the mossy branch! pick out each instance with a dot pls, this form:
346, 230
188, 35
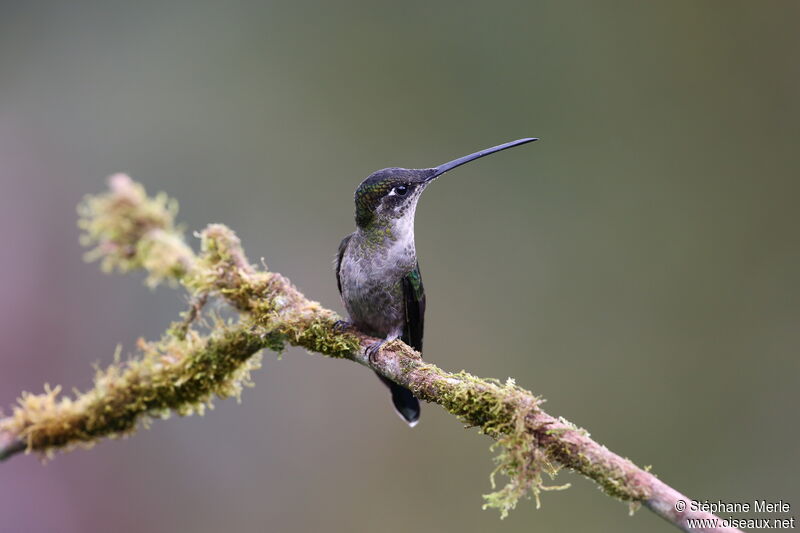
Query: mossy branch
186, 368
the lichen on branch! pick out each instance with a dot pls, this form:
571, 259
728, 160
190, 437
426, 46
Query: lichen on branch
190, 365
128, 230
182, 372
170, 375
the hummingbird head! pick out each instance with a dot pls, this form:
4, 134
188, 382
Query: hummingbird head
390, 195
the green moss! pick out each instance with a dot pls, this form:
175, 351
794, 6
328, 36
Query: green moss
318, 335
499, 410
171, 375
523, 463
610, 476
221, 247
128, 230
165, 256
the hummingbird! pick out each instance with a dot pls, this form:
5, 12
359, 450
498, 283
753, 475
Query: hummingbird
377, 271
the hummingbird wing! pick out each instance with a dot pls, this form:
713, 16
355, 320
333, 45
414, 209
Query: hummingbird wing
414, 294
338, 262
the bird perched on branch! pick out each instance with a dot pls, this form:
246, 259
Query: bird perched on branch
376, 267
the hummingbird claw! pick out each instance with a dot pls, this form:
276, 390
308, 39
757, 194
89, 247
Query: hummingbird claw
340, 326
373, 350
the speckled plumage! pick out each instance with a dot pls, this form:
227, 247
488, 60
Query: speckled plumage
373, 265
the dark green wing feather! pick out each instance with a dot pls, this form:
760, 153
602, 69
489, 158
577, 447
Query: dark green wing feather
338, 262
414, 294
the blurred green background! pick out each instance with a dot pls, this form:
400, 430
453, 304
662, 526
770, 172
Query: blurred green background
638, 267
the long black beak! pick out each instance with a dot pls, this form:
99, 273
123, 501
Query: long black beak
441, 169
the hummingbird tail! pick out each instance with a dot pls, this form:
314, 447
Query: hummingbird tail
406, 405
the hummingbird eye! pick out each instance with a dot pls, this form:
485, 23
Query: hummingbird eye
401, 190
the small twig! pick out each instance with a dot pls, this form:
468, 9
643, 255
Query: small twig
9, 445
195, 307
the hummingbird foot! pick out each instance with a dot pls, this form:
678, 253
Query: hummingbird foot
340, 326
373, 349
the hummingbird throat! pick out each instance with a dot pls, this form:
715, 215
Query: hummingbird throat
392, 235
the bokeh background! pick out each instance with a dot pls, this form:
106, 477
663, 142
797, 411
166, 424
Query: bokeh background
638, 267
